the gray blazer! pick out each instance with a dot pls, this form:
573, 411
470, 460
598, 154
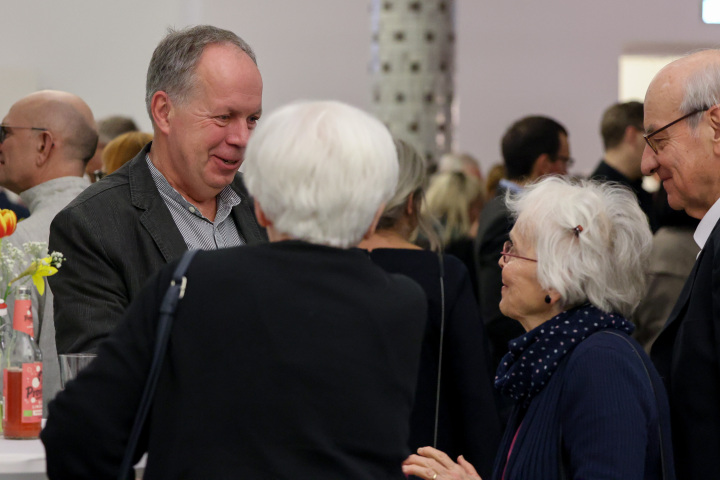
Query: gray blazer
115, 235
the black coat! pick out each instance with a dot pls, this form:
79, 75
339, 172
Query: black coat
687, 356
468, 419
286, 361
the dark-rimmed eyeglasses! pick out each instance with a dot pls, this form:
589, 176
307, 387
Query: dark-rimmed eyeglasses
4, 130
653, 144
507, 251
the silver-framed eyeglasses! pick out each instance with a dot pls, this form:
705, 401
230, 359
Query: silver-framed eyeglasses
5, 129
507, 251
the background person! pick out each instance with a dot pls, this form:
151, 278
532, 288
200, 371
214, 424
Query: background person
108, 129
313, 376
468, 422
589, 403
456, 199
45, 167
622, 134
122, 149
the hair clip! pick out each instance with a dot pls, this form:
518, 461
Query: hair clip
577, 230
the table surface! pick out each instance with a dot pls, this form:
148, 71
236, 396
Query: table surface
25, 459
22, 456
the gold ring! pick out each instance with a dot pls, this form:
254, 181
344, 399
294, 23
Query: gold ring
434, 476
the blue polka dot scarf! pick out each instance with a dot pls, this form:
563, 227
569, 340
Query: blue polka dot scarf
533, 357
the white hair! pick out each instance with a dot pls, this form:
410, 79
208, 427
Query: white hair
702, 91
321, 171
604, 262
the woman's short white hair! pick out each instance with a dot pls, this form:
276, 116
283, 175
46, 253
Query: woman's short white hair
321, 170
602, 262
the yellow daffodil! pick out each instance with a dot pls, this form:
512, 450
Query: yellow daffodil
38, 269
8, 222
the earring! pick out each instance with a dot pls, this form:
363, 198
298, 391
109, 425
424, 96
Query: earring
548, 299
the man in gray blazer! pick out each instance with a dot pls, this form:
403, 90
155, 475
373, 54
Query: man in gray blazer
182, 191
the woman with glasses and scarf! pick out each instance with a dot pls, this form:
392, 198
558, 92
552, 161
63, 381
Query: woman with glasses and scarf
589, 403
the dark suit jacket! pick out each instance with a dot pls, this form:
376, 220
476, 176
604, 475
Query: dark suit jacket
687, 355
493, 232
115, 235
286, 361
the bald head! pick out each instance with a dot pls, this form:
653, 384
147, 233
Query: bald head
67, 117
47, 135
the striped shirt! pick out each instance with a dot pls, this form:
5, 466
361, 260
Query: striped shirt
197, 231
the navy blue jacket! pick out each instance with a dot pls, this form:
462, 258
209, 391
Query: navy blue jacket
597, 418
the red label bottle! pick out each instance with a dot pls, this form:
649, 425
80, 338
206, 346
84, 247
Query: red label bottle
22, 374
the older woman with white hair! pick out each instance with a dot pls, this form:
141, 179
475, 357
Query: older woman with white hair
589, 403
303, 367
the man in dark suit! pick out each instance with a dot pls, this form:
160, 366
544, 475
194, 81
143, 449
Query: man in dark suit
204, 96
532, 147
682, 124
622, 133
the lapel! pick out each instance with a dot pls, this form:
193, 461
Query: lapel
684, 297
244, 215
156, 218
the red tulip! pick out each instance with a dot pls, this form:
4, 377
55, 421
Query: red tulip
8, 222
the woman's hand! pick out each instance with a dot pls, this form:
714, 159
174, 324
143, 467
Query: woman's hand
432, 464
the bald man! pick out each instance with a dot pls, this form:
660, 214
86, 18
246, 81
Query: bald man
682, 125
45, 141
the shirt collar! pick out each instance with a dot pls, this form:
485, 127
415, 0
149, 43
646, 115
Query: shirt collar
226, 199
510, 185
706, 225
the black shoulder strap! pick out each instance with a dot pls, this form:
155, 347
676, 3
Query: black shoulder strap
174, 293
440, 354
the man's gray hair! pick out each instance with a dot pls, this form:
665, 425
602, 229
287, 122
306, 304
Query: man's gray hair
702, 91
592, 241
174, 61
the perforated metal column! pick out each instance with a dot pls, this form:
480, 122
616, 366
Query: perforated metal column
413, 60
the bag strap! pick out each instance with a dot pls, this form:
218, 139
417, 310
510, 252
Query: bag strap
440, 355
174, 293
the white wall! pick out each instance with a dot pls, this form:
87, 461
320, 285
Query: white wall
518, 57
558, 58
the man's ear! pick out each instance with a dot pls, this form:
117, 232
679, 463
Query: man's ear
371, 230
631, 134
260, 215
714, 118
44, 146
410, 204
161, 109
542, 166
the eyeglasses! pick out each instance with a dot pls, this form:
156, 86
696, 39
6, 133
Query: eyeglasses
653, 144
4, 130
507, 252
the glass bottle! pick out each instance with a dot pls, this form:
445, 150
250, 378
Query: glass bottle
22, 374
